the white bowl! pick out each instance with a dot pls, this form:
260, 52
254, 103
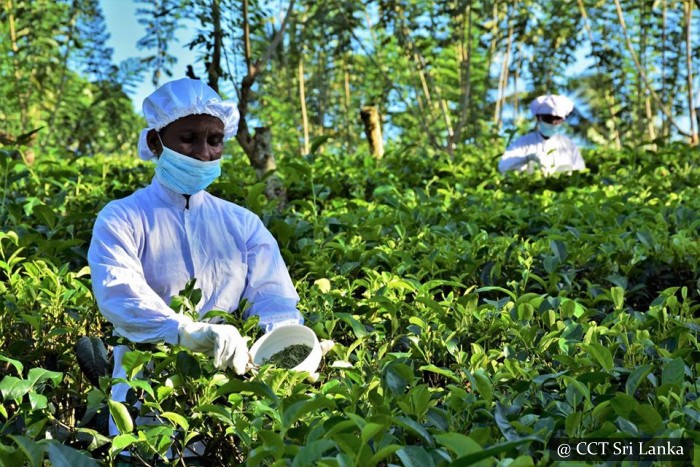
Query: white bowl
281, 338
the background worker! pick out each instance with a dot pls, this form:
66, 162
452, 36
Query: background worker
545, 148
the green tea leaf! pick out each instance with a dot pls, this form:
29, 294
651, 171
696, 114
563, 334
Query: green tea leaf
601, 354
559, 250
673, 372
324, 285
492, 451
647, 419
623, 404
121, 416
636, 377
121, 442
31, 449
501, 418
415, 456
217, 411
15, 363
39, 375
247, 387
483, 385
572, 423
310, 453
357, 327
134, 361
38, 401
11, 456
176, 418
498, 289
92, 357
618, 296
370, 430
416, 428
458, 443
64, 455
383, 453
13, 388
441, 371
298, 409
187, 365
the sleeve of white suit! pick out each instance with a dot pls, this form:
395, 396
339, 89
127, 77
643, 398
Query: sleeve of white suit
121, 291
515, 157
269, 287
577, 159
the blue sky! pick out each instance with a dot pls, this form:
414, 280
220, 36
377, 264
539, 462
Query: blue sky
125, 31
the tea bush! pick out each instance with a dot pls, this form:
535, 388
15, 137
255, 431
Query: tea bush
476, 316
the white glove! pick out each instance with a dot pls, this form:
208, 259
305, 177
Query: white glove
221, 341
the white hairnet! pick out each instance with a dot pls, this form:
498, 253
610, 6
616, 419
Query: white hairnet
180, 98
551, 104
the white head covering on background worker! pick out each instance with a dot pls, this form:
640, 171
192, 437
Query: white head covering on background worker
551, 104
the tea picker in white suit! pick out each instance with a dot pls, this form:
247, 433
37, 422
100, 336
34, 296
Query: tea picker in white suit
546, 147
146, 247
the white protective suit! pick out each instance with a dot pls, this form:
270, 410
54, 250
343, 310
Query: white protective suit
555, 154
147, 246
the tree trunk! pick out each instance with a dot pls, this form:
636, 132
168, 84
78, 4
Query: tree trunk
650, 118
688, 13
348, 123
503, 80
610, 100
643, 75
373, 130
465, 58
22, 106
214, 67
302, 100
246, 37
258, 147
516, 78
264, 162
641, 96
64, 69
664, 96
322, 92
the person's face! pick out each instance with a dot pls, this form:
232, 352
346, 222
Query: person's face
551, 119
197, 136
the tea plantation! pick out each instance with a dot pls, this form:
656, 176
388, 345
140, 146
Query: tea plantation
476, 317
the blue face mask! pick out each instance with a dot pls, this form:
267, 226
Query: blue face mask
183, 174
548, 129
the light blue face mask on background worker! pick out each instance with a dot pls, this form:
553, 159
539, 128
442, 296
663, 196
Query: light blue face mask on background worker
184, 174
549, 129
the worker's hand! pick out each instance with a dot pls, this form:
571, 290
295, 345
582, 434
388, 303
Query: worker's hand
223, 342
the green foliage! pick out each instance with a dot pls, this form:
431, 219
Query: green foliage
475, 316
59, 79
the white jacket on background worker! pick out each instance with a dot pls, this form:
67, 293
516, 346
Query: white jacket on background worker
545, 149
554, 154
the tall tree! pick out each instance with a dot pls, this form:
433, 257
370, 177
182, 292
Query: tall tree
64, 79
